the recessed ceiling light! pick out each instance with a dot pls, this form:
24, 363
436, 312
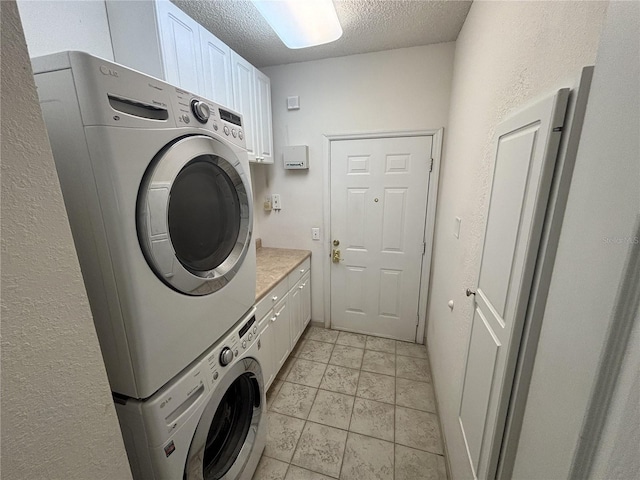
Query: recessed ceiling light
301, 23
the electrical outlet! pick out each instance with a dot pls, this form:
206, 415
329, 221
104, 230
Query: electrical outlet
275, 201
315, 234
267, 203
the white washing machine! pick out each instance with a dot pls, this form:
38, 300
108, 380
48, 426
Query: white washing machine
207, 423
157, 189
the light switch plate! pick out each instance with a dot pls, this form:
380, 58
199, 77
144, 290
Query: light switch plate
275, 201
456, 227
315, 233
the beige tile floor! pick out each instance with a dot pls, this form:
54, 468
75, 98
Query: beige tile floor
352, 407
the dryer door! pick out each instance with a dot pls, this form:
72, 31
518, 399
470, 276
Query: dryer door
195, 215
225, 440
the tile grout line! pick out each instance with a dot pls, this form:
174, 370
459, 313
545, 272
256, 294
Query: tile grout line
306, 420
395, 408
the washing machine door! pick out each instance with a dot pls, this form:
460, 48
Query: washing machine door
195, 215
226, 435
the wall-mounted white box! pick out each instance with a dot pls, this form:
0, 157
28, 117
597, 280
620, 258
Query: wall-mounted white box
296, 157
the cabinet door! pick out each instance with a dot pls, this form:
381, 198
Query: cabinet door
281, 332
295, 314
267, 348
180, 45
216, 69
305, 296
244, 99
264, 129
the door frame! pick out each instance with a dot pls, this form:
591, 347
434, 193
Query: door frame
430, 220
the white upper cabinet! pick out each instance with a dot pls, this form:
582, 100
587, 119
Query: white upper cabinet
157, 38
264, 130
244, 100
216, 69
180, 45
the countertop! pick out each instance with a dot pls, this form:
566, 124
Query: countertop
273, 265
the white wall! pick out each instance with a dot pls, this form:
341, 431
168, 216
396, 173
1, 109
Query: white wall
405, 89
599, 222
507, 54
57, 25
58, 419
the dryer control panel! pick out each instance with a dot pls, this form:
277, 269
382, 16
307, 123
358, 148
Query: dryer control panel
112, 94
192, 110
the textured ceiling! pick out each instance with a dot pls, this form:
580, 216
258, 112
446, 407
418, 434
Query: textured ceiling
368, 25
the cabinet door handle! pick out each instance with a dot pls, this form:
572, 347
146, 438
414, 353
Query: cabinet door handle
274, 298
273, 319
278, 314
302, 270
301, 286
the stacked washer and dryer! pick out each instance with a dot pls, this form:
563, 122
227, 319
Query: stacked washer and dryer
157, 189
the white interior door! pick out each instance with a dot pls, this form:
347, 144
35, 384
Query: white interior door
526, 152
378, 207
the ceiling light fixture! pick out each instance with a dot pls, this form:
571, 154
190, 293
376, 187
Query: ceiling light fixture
301, 23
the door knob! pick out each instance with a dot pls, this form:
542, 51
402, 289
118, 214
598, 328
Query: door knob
469, 292
336, 255
336, 243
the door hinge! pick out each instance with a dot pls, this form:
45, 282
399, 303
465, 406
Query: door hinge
431, 165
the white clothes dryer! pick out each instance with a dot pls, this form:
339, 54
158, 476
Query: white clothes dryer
157, 189
207, 423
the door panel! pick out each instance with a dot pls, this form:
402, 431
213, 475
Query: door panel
393, 218
525, 155
378, 207
216, 60
243, 99
281, 332
180, 47
263, 124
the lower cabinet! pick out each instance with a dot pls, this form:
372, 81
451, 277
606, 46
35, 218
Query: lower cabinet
280, 325
300, 299
266, 348
283, 318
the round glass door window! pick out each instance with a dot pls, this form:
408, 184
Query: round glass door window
229, 428
195, 215
225, 440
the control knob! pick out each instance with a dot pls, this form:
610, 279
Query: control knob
200, 110
226, 355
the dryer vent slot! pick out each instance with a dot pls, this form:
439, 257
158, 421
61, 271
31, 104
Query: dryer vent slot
137, 109
184, 406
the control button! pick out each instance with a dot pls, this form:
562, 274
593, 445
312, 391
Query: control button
234, 133
244, 344
200, 110
215, 126
240, 134
250, 337
236, 352
186, 118
226, 130
215, 375
226, 356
